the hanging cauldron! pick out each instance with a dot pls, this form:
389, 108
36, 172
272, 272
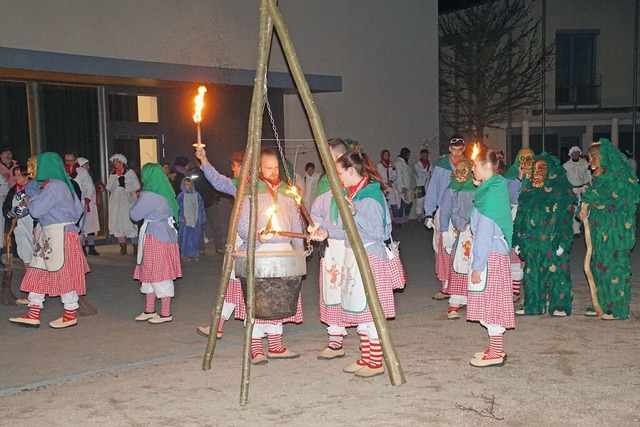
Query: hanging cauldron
278, 278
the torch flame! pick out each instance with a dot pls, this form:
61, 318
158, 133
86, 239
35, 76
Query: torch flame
294, 192
197, 117
475, 151
272, 225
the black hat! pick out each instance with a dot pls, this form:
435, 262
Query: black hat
181, 161
456, 139
404, 153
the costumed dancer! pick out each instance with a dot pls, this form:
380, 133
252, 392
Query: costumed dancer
332, 274
422, 172
489, 298
13, 207
389, 174
612, 204
579, 176
520, 169
271, 191
158, 260
371, 214
122, 185
463, 189
404, 186
90, 222
543, 233
191, 217
57, 266
440, 180
234, 285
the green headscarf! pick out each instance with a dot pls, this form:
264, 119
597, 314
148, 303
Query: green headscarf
155, 180
492, 200
50, 166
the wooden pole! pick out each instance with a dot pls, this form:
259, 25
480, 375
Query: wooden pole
396, 373
255, 134
593, 288
227, 264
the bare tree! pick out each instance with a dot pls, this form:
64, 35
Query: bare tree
491, 64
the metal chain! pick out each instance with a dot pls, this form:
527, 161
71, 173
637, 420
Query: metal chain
275, 133
309, 250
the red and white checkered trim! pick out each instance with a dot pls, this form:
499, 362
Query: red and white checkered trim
458, 284
443, 263
494, 305
69, 278
161, 261
384, 286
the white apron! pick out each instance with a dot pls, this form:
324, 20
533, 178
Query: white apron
49, 250
333, 272
462, 253
479, 287
354, 298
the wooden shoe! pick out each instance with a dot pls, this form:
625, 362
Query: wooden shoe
453, 314
559, 313
22, 301
354, 367
59, 323
368, 371
160, 319
609, 317
25, 321
486, 362
259, 359
286, 354
329, 353
204, 331
145, 316
590, 312
440, 296
484, 353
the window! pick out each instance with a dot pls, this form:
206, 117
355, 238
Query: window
133, 108
576, 80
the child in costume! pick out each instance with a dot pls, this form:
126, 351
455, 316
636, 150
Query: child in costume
612, 203
57, 266
191, 216
489, 299
543, 233
433, 209
373, 222
158, 260
463, 189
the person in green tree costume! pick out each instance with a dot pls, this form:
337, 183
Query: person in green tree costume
544, 236
612, 201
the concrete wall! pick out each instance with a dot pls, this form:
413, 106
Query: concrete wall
386, 52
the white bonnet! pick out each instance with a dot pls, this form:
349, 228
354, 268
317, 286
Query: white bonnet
575, 148
120, 157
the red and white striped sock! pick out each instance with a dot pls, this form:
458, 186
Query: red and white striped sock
496, 346
165, 309
275, 343
220, 325
33, 313
69, 315
335, 341
452, 308
150, 307
516, 286
365, 355
376, 354
256, 347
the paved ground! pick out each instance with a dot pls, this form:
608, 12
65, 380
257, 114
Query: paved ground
110, 370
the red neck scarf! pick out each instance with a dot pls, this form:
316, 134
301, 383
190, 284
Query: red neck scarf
386, 163
425, 163
359, 186
119, 171
273, 188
